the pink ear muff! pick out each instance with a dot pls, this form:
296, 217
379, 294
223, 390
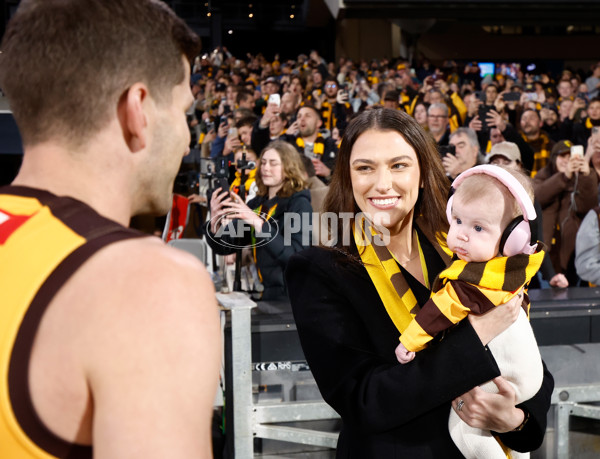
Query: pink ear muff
518, 240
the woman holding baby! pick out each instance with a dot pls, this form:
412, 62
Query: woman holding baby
353, 299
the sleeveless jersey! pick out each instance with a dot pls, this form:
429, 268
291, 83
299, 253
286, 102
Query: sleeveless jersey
44, 239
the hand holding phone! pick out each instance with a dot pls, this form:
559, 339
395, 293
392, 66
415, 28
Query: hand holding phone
275, 99
232, 133
577, 151
447, 150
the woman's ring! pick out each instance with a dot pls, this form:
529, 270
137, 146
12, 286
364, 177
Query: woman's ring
460, 405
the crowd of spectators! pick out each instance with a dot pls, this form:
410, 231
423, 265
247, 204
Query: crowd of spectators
543, 114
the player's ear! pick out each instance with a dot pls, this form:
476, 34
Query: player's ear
133, 117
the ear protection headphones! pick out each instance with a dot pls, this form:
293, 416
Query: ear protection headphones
520, 236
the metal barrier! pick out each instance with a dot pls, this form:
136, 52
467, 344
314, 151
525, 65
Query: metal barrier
576, 370
575, 367
252, 420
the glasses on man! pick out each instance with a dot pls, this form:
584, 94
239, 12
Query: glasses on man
331, 85
437, 117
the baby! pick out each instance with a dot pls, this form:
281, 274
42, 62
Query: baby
492, 234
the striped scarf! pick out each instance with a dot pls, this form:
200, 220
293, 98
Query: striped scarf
384, 271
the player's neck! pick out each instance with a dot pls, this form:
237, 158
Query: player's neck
79, 175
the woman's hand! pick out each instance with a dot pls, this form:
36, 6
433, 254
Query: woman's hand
487, 411
494, 322
559, 280
237, 208
577, 164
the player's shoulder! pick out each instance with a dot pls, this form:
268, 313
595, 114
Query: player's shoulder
137, 255
146, 267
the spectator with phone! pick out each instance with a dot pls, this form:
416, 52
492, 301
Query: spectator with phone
363, 96
467, 152
335, 107
566, 190
500, 130
280, 179
269, 86
541, 144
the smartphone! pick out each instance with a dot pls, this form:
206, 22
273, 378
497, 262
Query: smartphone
275, 99
577, 150
479, 95
595, 130
512, 96
482, 113
233, 132
447, 150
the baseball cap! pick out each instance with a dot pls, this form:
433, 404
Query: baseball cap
562, 147
508, 150
272, 80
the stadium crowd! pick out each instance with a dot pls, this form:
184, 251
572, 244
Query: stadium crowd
241, 104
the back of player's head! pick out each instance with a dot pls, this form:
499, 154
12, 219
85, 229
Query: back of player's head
65, 64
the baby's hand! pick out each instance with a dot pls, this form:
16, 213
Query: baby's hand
404, 355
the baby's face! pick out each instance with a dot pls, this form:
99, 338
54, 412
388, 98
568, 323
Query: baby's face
475, 229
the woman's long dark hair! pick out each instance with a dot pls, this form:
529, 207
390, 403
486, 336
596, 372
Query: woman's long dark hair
431, 204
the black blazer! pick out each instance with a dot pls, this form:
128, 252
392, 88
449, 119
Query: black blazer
388, 410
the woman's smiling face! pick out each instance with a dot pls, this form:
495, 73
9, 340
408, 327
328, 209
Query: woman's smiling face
385, 176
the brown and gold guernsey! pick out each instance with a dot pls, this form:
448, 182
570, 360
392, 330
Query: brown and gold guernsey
44, 239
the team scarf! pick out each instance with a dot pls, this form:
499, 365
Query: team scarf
318, 145
270, 213
383, 269
500, 273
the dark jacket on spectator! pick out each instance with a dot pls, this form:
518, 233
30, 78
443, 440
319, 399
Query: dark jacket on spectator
564, 204
275, 243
